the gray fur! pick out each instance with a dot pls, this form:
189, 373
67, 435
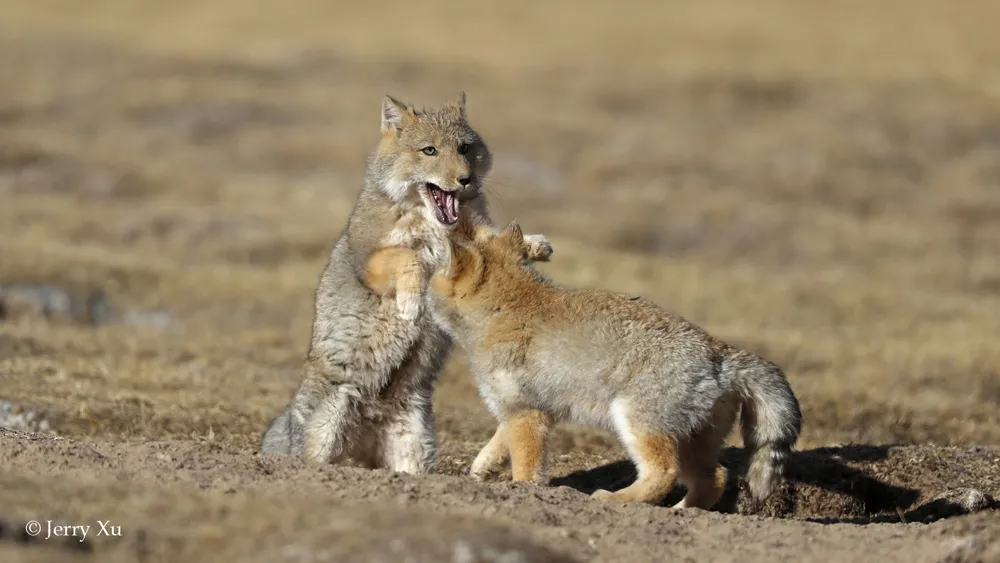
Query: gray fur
277, 437
369, 374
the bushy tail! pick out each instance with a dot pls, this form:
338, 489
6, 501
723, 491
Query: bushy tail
277, 438
771, 421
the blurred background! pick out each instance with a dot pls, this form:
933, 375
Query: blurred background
816, 181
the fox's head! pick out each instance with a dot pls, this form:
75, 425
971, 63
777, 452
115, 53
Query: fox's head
477, 264
484, 276
431, 154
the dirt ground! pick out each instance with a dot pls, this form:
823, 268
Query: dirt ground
818, 183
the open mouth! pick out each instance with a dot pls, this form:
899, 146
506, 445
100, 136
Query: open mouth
445, 204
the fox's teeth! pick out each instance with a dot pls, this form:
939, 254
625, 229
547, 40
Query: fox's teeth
449, 203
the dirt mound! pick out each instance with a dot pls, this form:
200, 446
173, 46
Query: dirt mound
176, 500
156, 524
854, 483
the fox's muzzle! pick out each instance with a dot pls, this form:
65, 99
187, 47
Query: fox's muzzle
445, 203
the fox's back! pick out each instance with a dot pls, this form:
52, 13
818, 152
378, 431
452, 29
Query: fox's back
582, 349
590, 340
616, 324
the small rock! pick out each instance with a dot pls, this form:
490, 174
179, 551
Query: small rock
25, 418
156, 319
954, 503
74, 303
975, 500
77, 304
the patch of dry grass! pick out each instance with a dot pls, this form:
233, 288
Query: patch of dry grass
815, 183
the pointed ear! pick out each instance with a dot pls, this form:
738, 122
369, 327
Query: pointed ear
395, 114
513, 233
458, 104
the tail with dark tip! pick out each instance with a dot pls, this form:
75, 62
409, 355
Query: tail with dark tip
771, 420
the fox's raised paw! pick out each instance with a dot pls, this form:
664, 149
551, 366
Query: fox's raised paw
539, 248
409, 305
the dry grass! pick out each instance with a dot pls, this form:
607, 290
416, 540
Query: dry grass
816, 183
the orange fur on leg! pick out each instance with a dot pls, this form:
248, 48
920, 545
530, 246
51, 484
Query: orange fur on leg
494, 453
655, 457
705, 486
393, 269
398, 270
700, 470
527, 434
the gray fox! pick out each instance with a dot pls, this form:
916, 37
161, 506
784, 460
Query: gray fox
376, 350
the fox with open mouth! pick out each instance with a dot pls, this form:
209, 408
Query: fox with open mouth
377, 347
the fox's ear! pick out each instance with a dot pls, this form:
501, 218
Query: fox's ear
458, 104
395, 114
513, 234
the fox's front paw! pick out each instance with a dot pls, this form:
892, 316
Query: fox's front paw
410, 305
483, 467
539, 249
480, 476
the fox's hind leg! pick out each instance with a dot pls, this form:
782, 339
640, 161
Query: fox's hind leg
701, 472
409, 444
277, 438
654, 452
527, 435
333, 415
493, 454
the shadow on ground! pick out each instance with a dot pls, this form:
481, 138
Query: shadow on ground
848, 484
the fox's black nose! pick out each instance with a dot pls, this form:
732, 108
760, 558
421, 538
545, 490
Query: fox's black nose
464, 180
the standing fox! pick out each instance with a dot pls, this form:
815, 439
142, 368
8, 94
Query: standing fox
376, 351
542, 353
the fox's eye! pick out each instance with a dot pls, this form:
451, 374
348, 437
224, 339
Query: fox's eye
429, 151
463, 148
